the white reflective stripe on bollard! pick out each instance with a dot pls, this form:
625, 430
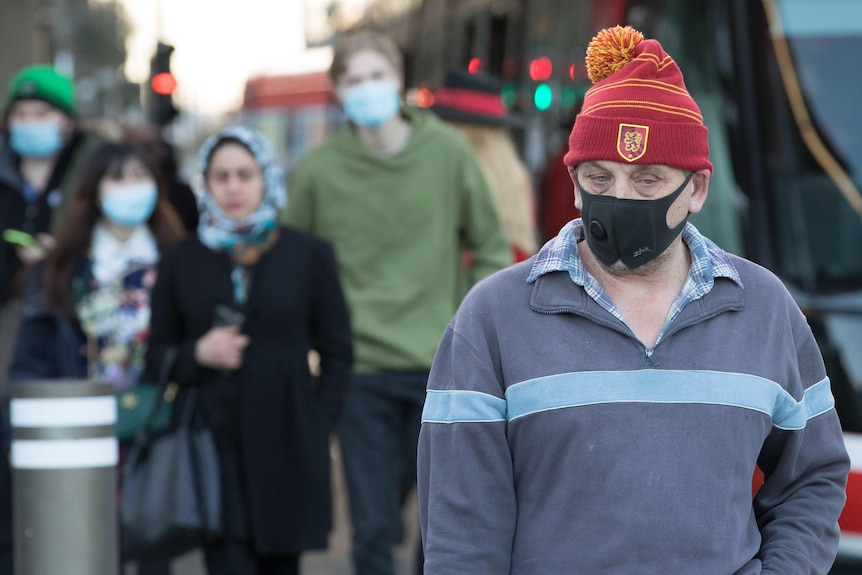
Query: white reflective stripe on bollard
64, 453
63, 412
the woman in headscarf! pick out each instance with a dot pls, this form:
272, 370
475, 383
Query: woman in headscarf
246, 301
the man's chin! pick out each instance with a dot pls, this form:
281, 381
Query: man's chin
619, 269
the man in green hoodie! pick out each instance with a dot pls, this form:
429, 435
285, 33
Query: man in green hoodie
402, 198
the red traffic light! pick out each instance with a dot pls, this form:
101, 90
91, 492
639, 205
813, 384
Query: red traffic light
164, 83
541, 68
424, 98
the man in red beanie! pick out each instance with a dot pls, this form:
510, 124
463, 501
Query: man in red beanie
602, 407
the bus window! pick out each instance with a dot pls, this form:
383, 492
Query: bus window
814, 155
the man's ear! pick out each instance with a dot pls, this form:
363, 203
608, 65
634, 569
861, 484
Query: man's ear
700, 180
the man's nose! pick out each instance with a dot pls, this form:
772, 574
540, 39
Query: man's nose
624, 189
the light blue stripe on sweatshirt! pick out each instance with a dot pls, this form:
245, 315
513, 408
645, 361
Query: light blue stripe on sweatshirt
455, 406
659, 386
818, 399
643, 386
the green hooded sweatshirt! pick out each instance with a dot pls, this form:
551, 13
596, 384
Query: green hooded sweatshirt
400, 226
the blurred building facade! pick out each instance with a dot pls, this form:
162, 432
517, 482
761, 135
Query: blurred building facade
82, 38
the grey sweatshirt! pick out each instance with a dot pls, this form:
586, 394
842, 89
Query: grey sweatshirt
552, 442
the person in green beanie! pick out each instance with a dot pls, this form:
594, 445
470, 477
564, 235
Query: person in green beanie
41, 147
40, 121
40, 150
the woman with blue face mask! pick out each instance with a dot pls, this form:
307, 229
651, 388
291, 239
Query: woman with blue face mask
100, 274
98, 279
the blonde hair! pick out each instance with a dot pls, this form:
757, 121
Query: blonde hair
354, 42
509, 181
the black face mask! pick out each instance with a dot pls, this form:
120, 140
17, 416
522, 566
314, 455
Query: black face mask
632, 231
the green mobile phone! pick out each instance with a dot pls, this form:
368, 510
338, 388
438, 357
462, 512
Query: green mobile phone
22, 239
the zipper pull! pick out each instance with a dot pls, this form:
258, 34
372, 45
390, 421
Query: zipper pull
648, 354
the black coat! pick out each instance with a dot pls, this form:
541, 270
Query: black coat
270, 413
46, 211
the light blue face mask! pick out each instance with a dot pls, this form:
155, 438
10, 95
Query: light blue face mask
371, 103
35, 139
130, 205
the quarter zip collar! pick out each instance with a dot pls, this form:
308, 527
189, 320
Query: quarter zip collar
557, 272
555, 293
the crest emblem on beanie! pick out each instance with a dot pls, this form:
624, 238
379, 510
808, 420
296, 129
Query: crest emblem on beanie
632, 141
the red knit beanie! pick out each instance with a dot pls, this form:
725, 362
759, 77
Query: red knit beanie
638, 110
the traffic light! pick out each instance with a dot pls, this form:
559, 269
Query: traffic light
424, 97
162, 86
509, 95
543, 97
540, 71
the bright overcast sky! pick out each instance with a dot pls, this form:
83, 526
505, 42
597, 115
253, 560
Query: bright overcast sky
219, 44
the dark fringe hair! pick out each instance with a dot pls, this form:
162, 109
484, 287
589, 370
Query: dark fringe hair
75, 234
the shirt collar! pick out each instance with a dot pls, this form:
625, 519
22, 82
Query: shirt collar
111, 257
708, 261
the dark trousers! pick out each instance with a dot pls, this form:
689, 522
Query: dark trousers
237, 558
378, 435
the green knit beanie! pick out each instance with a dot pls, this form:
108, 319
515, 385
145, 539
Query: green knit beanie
44, 83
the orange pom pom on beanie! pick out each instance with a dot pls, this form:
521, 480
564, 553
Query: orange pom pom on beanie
638, 110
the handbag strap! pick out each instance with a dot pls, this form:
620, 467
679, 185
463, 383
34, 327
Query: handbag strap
189, 407
168, 360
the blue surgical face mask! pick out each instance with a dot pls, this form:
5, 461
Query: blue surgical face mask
130, 205
35, 139
371, 103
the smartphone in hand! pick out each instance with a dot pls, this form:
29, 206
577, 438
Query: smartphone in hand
226, 316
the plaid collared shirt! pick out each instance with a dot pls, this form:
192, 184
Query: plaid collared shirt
708, 262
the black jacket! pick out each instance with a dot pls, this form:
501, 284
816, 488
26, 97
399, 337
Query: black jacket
270, 417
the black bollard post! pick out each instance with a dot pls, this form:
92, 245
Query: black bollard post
64, 479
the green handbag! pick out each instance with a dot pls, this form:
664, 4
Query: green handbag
135, 404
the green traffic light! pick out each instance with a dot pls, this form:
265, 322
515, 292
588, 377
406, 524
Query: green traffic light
542, 97
509, 95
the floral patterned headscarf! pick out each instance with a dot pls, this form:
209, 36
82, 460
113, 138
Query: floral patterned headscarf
247, 238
